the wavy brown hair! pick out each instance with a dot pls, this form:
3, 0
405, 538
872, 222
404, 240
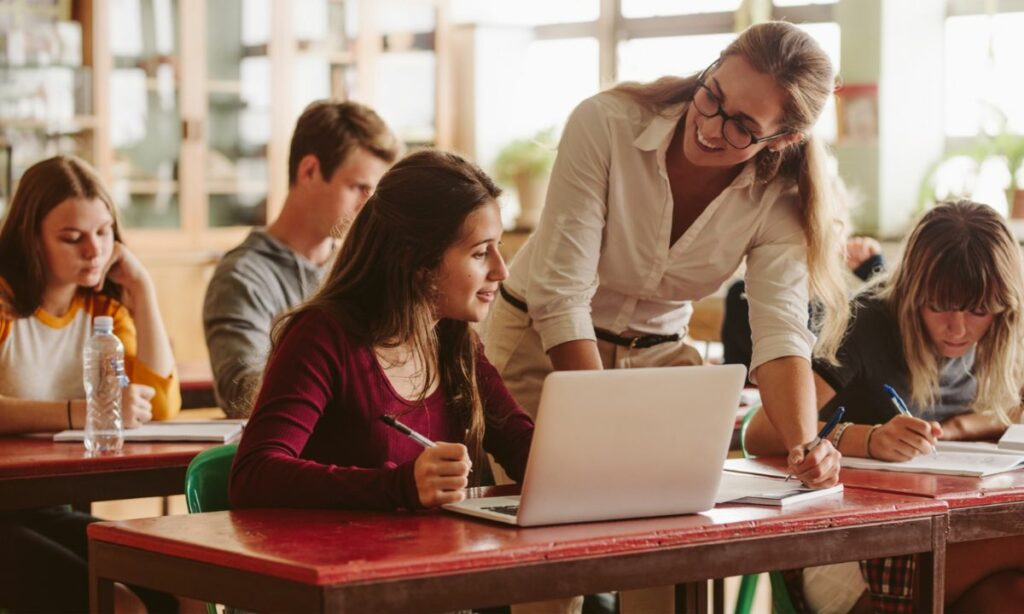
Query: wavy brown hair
44, 185
961, 256
382, 285
804, 74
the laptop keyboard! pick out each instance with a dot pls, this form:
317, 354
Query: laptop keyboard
507, 510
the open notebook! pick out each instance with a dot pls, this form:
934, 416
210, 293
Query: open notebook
217, 431
976, 464
764, 490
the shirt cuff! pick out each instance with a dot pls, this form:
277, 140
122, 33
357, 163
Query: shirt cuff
562, 329
768, 349
167, 400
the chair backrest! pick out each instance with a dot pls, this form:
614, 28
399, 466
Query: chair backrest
206, 479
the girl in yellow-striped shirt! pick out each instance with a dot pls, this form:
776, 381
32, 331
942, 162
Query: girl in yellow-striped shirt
61, 264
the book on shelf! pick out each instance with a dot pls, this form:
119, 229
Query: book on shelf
215, 431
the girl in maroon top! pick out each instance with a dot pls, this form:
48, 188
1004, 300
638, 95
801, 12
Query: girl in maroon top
388, 334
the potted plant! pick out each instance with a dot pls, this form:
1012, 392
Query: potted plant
1005, 146
526, 165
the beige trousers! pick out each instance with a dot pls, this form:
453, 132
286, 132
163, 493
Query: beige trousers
513, 346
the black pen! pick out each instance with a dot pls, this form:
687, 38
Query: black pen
825, 430
408, 432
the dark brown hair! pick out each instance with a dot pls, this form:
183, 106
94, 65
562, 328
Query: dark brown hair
44, 185
331, 130
382, 285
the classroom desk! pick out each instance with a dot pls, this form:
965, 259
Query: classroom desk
196, 381
35, 471
324, 560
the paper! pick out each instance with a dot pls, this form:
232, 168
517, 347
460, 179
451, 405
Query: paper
219, 431
746, 465
761, 490
946, 463
1013, 438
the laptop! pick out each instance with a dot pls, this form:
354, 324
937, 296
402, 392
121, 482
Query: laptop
623, 443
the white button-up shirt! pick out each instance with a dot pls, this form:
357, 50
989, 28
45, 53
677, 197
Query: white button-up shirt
601, 254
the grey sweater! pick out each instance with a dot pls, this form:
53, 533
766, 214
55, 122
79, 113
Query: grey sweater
253, 284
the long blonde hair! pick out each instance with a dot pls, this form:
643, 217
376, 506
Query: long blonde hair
961, 256
805, 75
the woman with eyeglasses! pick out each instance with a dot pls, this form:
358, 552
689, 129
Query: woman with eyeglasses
658, 194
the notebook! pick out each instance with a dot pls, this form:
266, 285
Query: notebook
217, 431
623, 443
1013, 438
763, 490
946, 463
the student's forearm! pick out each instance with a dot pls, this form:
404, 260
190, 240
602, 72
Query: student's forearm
19, 416
973, 427
578, 355
154, 348
787, 394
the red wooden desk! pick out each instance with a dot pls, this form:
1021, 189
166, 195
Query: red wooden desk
979, 508
35, 471
196, 380
318, 560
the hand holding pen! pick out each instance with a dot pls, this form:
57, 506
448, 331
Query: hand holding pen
441, 471
904, 436
822, 435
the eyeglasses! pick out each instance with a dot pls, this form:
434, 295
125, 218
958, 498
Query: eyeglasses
733, 130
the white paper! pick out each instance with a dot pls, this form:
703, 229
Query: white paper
742, 485
947, 463
1013, 438
220, 431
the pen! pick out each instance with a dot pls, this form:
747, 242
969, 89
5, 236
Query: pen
896, 400
408, 432
825, 430
901, 406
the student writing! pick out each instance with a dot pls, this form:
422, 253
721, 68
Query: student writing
388, 334
945, 331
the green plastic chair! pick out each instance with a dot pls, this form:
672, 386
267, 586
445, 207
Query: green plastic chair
206, 479
206, 484
781, 603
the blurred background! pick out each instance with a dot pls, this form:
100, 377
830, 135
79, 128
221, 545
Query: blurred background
186, 106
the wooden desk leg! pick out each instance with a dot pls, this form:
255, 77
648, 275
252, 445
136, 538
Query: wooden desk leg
718, 596
692, 597
930, 584
101, 594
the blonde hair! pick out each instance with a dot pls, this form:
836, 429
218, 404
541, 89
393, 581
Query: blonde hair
805, 75
961, 256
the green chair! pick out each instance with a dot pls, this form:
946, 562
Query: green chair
206, 484
206, 479
781, 603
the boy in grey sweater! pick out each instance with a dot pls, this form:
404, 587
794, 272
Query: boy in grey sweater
338, 153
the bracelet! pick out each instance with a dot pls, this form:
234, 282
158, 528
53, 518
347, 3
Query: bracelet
838, 433
867, 440
69, 414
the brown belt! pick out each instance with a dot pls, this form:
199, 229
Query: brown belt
640, 341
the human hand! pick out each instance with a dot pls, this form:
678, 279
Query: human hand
123, 268
442, 473
136, 405
818, 468
859, 249
902, 438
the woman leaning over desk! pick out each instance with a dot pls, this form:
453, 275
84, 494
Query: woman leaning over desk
658, 194
61, 264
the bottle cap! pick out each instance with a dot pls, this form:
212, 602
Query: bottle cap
102, 324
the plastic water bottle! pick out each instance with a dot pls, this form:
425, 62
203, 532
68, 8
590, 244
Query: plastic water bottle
104, 378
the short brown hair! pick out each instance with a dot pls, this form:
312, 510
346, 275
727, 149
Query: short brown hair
331, 130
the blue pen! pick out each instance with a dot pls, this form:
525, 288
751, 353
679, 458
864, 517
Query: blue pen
825, 430
901, 407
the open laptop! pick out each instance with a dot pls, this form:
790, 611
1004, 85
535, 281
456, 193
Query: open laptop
623, 443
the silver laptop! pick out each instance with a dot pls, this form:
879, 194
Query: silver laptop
623, 443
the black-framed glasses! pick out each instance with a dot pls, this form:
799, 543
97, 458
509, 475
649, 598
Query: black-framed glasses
733, 130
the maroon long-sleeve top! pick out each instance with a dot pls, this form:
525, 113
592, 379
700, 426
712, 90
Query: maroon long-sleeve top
315, 440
